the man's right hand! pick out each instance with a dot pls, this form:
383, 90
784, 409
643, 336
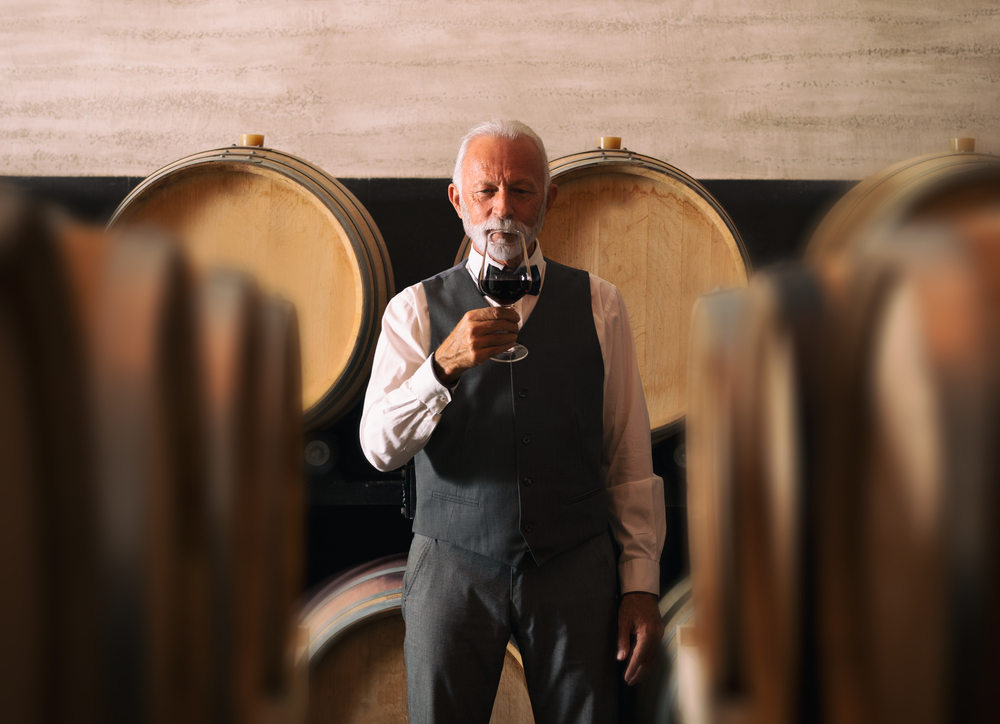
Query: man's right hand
481, 334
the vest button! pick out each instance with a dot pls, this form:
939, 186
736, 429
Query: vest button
526, 439
528, 527
523, 392
527, 481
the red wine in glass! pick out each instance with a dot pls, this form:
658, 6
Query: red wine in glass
504, 287
505, 277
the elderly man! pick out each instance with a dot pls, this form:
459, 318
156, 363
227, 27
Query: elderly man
521, 467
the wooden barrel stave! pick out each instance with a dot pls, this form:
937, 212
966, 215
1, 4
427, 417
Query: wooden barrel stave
280, 443
229, 330
49, 525
780, 410
145, 388
920, 396
718, 324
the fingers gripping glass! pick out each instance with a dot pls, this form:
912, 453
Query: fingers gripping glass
505, 277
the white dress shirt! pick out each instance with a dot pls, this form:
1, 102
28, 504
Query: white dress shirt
404, 402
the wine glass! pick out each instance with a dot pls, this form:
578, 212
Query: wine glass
505, 277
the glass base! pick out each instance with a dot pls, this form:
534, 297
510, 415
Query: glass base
515, 353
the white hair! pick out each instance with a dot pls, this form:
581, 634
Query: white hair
499, 128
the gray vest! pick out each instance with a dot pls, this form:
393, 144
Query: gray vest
514, 464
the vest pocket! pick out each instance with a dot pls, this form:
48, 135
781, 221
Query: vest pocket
471, 502
585, 495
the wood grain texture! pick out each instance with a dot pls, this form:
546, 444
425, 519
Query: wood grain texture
778, 400
149, 450
910, 396
303, 237
279, 435
662, 245
229, 321
742, 89
719, 323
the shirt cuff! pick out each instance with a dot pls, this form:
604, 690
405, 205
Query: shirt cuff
639, 574
425, 386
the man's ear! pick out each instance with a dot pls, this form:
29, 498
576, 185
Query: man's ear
455, 198
553, 192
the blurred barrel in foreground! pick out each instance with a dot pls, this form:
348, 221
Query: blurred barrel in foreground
908, 540
151, 426
779, 408
279, 435
301, 234
254, 499
912, 261
229, 327
841, 473
716, 359
662, 239
357, 674
755, 398
48, 500
135, 297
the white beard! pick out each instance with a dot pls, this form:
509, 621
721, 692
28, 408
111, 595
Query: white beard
479, 233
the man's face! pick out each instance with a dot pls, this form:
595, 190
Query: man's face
502, 189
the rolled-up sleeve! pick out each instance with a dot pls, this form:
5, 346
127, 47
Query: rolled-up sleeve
635, 493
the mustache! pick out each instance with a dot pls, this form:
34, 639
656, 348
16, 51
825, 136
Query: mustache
507, 226
479, 233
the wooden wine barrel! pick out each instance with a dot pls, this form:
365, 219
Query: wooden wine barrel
302, 234
662, 239
657, 697
780, 411
716, 358
151, 429
758, 410
939, 186
357, 673
134, 292
905, 602
48, 512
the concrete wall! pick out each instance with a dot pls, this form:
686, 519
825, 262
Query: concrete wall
764, 89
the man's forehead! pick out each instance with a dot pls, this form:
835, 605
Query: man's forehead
488, 155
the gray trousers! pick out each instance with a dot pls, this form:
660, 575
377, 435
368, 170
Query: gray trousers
461, 608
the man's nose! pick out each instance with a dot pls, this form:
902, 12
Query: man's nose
501, 204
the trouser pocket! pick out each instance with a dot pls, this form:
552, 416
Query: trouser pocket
418, 551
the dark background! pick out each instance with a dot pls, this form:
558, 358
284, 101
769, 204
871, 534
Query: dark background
422, 234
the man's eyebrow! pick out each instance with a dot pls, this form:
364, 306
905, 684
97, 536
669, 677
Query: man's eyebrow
522, 182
